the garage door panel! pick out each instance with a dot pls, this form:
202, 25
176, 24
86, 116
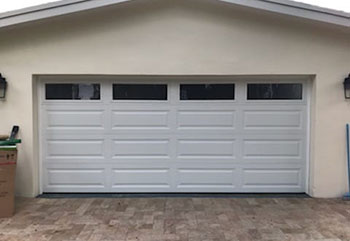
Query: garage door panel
140, 148
140, 178
270, 149
69, 105
139, 189
203, 178
207, 120
75, 179
206, 148
75, 119
273, 178
78, 161
67, 148
207, 105
134, 160
75, 136
122, 120
273, 119
138, 106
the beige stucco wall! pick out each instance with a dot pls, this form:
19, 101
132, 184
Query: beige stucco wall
182, 37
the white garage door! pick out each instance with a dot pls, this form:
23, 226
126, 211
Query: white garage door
174, 136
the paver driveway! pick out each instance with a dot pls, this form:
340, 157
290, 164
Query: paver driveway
178, 219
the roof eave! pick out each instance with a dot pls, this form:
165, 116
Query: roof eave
52, 10
286, 7
296, 9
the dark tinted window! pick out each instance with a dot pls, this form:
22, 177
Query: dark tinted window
73, 91
275, 91
207, 92
140, 92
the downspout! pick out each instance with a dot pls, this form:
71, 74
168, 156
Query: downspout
347, 195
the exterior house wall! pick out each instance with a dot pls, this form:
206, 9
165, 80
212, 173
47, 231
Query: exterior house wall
163, 37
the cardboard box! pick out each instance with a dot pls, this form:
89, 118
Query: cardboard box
8, 155
8, 159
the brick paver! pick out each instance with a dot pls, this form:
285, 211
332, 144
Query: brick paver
187, 219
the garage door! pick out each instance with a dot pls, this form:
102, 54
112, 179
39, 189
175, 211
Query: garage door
173, 136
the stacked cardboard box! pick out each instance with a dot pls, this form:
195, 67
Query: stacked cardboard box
8, 160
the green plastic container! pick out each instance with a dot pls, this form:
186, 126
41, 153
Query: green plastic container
13, 142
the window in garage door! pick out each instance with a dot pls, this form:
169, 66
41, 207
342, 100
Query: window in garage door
267, 91
207, 92
73, 91
140, 92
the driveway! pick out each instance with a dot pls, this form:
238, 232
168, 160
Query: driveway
186, 219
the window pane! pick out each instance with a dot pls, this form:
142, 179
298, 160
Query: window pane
275, 91
73, 91
207, 92
140, 92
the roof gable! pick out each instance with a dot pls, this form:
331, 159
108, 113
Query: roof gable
285, 7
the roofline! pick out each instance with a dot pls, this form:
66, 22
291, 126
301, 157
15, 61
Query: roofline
285, 7
298, 9
53, 9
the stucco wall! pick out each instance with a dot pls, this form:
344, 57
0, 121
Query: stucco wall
181, 38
